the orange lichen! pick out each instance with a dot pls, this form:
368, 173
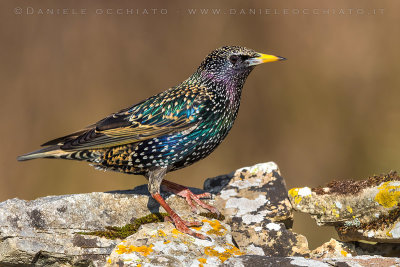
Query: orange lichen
344, 253
121, 249
202, 261
217, 228
143, 250
197, 228
223, 256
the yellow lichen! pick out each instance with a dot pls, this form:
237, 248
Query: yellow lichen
161, 233
223, 256
175, 232
217, 228
143, 250
344, 253
388, 195
335, 212
349, 209
109, 261
294, 192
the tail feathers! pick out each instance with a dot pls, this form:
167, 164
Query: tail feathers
47, 152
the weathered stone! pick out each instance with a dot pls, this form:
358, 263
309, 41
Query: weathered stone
66, 230
254, 193
360, 210
338, 249
334, 249
358, 261
257, 260
382, 249
255, 203
162, 245
46, 230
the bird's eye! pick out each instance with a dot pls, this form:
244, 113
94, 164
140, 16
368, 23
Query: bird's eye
233, 59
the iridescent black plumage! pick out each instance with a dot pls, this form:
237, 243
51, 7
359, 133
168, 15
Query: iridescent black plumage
170, 130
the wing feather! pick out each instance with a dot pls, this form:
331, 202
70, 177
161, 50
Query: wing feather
157, 116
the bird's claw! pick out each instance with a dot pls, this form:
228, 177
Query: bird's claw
182, 226
187, 223
190, 197
184, 192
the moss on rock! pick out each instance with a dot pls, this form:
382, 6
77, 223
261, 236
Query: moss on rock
115, 232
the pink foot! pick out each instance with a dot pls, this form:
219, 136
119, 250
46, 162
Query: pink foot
180, 224
184, 192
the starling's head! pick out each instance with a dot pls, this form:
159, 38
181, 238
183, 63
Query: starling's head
232, 62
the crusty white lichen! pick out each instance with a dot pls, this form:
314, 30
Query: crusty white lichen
245, 205
267, 167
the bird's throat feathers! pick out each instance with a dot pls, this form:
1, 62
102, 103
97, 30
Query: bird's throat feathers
228, 85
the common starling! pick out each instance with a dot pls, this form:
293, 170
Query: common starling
168, 131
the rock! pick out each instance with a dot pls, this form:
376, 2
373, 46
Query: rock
47, 229
334, 249
257, 260
70, 230
359, 210
255, 203
382, 249
162, 245
339, 249
359, 261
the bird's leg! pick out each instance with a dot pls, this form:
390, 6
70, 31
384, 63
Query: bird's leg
155, 178
184, 192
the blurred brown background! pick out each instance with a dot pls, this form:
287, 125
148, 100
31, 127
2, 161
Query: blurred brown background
331, 111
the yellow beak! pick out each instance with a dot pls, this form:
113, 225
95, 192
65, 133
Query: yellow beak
264, 58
